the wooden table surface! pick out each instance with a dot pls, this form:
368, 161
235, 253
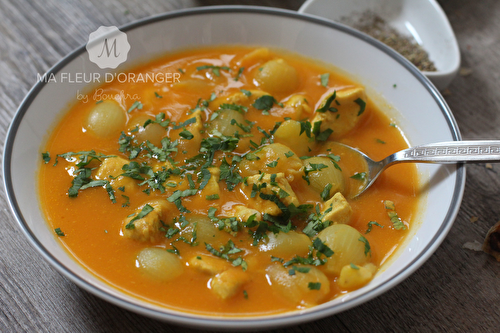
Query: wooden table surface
456, 290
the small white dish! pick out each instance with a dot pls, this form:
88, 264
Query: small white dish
424, 20
408, 97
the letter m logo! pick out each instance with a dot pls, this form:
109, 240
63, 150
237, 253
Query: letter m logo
108, 47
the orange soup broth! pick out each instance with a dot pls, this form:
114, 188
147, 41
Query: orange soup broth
92, 223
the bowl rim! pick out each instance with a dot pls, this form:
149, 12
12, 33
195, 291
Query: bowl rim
255, 322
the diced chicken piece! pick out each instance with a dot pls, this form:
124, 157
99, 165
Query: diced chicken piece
111, 166
337, 209
353, 277
243, 213
228, 283
300, 288
300, 106
209, 265
111, 169
147, 228
349, 105
161, 166
260, 54
212, 186
240, 98
275, 184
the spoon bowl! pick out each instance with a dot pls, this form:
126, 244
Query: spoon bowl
441, 153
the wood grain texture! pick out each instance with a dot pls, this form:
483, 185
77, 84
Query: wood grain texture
456, 290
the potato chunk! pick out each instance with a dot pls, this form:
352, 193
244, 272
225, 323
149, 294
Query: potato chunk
349, 111
228, 283
204, 229
277, 77
159, 264
289, 134
300, 288
224, 122
274, 158
153, 132
346, 243
353, 277
286, 245
320, 178
106, 119
337, 209
270, 184
147, 228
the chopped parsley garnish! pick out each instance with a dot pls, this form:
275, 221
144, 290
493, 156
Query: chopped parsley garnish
212, 197
145, 211
289, 154
215, 69
311, 167
159, 119
136, 105
323, 248
324, 79
334, 159
397, 223
158, 95
323, 136
273, 164
59, 232
246, 92
240, 108
226, 251
315, 222
83, 179
380, 141
126, 203
359, 176
367, 245
362, 105
177, 196
314, 285
265, 103
230, 174
325, 194
46, 157
327, 105
185, 123
354, 266
185, 134
299, 269
240, 71
370, 224
244, 128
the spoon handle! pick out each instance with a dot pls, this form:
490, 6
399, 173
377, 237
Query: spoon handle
451, 152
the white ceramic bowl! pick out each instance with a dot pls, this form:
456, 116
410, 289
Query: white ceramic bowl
422, 19
421, 112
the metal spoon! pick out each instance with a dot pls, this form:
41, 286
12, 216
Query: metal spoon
441, 153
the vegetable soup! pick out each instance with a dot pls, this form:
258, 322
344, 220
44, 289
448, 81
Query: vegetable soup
223, 190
